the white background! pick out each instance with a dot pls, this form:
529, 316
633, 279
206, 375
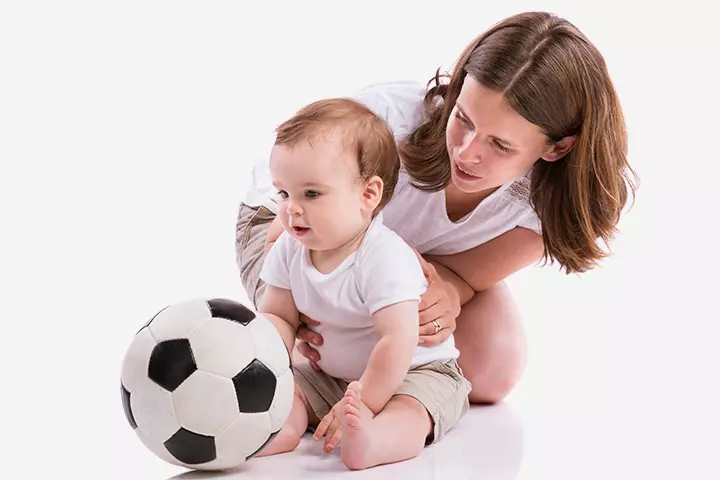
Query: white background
127, 134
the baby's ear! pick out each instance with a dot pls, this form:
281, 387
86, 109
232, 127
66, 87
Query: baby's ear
372, 193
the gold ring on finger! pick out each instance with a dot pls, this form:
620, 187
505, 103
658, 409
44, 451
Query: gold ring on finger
437, 326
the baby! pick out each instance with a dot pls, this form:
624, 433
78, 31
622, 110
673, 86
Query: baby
380, 396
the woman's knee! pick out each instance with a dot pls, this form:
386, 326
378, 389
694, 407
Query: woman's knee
492, 344
490, 390
492, 385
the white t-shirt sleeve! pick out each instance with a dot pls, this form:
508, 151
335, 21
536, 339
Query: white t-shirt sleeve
390, 273
399, 103
531, 222
276, 267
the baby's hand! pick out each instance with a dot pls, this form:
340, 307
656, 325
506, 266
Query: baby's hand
329, 427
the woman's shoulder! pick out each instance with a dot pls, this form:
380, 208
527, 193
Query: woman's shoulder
517, 195
399, 103
518, 191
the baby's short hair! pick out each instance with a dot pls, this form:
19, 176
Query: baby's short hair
365, 135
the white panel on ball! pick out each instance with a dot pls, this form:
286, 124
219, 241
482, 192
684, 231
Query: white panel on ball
179, 320
242, 438
135, 364
205, 403
158, 449
222, 346
154, 412
269, 347
283, 401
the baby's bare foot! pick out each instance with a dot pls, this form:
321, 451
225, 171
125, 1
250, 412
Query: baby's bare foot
356, 425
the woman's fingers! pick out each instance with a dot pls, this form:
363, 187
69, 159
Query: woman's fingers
435, 339
429, 328
427, 267
307, 320
307, 335
308, 338
308, 352
430, 313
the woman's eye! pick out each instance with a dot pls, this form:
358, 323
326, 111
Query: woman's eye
462, 119
502, 148
311, 194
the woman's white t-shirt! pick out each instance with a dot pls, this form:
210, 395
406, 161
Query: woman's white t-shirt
418, 217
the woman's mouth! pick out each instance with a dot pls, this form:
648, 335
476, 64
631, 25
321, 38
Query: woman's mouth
463, 175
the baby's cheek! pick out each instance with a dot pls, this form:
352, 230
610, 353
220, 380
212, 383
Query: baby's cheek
283, 218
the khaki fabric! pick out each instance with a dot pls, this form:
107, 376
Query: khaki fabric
251, 231
439, 386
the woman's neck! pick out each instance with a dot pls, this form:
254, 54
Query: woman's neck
458, 204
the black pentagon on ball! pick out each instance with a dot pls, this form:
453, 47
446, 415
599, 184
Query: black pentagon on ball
191, 448
230, 310
171, 363
270, 438
255, 388
126, 406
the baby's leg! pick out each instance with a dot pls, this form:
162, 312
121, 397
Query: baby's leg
397, 433
295, 426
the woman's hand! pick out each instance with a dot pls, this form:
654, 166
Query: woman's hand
307, 337
439, 307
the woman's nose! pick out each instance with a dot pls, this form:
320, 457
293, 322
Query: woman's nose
471, 149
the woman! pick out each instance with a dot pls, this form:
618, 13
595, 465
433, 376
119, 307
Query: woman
518, 155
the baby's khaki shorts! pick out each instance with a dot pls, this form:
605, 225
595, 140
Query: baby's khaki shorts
439, 386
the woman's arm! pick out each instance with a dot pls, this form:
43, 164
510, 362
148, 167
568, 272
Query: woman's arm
485, 265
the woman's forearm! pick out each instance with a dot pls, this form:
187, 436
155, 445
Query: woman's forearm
464, 291
484, 266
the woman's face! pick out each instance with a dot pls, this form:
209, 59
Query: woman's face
488, 142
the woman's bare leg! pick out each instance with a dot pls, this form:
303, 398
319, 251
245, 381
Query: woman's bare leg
492, 346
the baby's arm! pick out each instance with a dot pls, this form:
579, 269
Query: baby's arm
279, 307
390, 360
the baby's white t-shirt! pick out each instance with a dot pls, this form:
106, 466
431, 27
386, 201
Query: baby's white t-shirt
418, 217
382, 272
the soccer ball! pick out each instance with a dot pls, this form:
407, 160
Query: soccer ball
206, 384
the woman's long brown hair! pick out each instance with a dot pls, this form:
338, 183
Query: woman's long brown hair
552, 75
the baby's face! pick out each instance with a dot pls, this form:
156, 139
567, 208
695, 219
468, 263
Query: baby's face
320, 193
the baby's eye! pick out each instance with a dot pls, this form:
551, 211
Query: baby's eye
282, 194
312, 194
